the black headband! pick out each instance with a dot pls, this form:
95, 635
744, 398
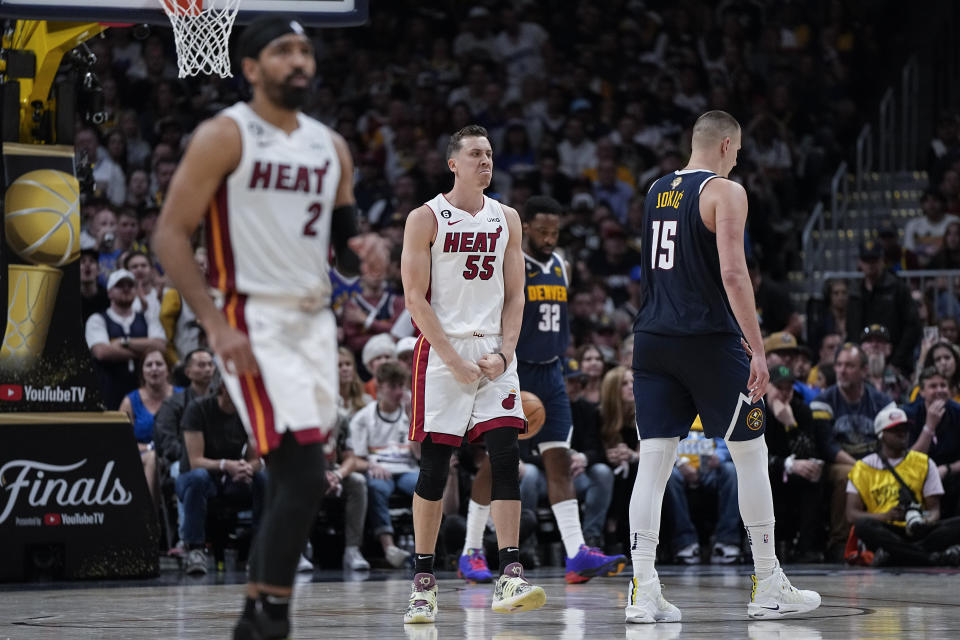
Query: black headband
265, 30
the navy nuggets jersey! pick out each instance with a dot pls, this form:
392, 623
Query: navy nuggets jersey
683, 293
545, 331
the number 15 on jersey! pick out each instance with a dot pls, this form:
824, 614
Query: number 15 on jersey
661, 255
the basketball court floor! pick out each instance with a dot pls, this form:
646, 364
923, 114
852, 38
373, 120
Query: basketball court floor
857, 603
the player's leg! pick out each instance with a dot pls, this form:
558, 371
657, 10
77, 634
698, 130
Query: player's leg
472, 565
727, 413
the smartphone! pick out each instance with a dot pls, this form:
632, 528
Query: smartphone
931, 334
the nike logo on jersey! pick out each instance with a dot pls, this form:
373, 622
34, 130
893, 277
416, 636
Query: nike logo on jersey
455, 222
533, 274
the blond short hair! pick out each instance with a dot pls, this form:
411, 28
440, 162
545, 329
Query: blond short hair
714, 126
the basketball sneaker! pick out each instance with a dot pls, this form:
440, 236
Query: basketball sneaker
423, 600
514, 594
261, 627
591, 562
473, 567
725, 553
690, 554
775, 597
646, 604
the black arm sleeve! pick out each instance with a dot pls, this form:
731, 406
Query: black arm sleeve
343, 226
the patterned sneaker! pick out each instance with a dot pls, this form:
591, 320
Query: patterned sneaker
514, 594
646, 604
473, 567
590, 562
775, 597
423, 600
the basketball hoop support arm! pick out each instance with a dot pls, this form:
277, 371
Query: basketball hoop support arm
48, 41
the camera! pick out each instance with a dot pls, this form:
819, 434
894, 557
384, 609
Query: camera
914, 519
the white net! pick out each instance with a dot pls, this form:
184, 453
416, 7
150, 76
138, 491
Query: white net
202, 35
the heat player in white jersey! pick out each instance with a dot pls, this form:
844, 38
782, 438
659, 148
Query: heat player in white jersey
462, 270
275, 188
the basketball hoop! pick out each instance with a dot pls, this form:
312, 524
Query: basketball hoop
202, 35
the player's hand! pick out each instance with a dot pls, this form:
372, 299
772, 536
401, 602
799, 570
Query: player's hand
233, 348
492, 365
373, 252
759, 377
465, 371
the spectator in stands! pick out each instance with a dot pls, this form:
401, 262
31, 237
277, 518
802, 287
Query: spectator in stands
138, 149
796, 469
378, 350
219, 461
895, 257
352, 397
704, 463
949, 330
945, 358
831, 317
851, 405
618, 434
117, 336
592, 369
198, 367
476, 40
370, 313
149, 294
829, 344
577, 152
612, 262
93, 296
774, 308
875, 342
898, 518
179, 321
103, 228
882, 298
935, 431
948, 257
924, 235
612, 190
378, 439
110, 179
141, 406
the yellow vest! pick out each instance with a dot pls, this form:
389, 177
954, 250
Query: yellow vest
880, 491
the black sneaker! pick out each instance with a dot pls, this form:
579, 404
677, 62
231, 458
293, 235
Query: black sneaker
261, 627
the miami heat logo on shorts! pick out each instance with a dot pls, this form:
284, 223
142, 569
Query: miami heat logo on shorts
755, 419
509, 401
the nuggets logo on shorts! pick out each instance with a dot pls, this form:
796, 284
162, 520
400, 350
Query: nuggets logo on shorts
755, 419
509, 401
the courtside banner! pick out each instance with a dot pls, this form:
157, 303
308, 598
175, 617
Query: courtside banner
45, 364
74, 502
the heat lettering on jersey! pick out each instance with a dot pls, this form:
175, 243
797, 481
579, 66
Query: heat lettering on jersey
551, 292
285, 177
669, 199
471, 241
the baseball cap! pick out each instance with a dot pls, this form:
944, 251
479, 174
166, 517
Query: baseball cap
889, 416
582, 201
875, 332
117, 276
781, 374
406, 344
870, 250
780, 341
379, 345
571, 368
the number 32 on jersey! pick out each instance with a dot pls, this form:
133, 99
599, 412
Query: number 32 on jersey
664, 231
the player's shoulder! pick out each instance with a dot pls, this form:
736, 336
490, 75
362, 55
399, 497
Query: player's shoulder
220, 128
512, 215
720, 187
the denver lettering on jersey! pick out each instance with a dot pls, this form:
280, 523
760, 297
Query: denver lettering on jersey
669, 199
285, 177
471, 241
543, 292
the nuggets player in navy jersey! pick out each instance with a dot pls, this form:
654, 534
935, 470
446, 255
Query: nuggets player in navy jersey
544, 336
692, 354
276, 189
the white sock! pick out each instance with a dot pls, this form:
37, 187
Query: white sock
477, 515
656, 459
643, 551
756, 501
567, 514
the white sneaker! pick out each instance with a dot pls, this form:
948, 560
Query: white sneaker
513, 593
646, 604
690, 554
725, 553
353, 559
304, 566
396, 556
423, 600
775, 597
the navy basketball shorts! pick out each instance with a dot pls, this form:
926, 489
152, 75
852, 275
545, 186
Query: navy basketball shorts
546, 382
677, 377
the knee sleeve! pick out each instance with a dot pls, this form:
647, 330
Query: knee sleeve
657, 457
753, 481
434, 467
504, 452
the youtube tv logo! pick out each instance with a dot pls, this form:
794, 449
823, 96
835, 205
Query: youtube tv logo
52, 520
11, 392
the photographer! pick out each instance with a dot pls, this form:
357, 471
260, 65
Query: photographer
893, 501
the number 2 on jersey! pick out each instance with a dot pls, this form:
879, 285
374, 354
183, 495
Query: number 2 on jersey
315, 210
663, 244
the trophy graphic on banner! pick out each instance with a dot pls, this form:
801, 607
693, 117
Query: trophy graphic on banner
42, 227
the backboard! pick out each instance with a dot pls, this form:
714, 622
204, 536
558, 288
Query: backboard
332, 13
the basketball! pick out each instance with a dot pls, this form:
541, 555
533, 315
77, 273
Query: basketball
43, 217
534, 412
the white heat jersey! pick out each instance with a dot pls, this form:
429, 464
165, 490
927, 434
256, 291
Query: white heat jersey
466, 271
268, 228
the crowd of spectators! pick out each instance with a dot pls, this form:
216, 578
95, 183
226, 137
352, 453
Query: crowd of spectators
586, 104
